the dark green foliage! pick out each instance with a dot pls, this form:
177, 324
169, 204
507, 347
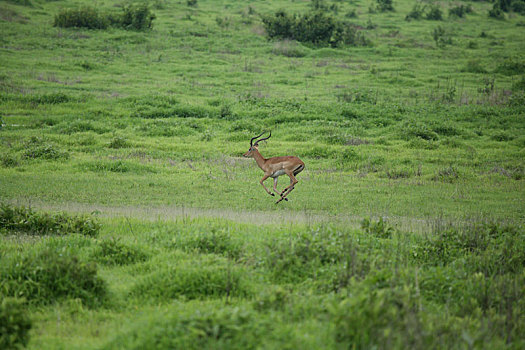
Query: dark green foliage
380, 318
216, 241
314, 27
517, 6
279, 26
385, 5
313, 254
441, 36
496, 13
133, 17
377, 228
51, 98
434, 13
416, 12
9, 161
113, 252
49, 275
460, 11
22, 219
474, 66
46, 151
198, 280
118, 142
227, 328
448, 174
14, 323
511, 66
85, 17
192, 3
416, 129
137, 17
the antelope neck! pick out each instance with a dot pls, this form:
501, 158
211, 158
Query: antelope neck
259, 159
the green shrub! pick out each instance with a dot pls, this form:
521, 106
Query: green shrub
434, 13
385, 5
496, 13
137, 17
279, 26
441, 36
49, 275
416, 12
379, 228
511, 67
22, 219
85, 17
113, 252
133, 17
474, 66
380, 318
51, 98
460, 11
9, 160
415, 129
118, 142
215, 241
313, 27
45, 151
14, 324
199, 280
228, 328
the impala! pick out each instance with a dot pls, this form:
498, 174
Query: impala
275, 167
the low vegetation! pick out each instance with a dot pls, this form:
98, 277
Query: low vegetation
130, 219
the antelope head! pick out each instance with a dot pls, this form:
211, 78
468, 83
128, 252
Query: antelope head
254, 146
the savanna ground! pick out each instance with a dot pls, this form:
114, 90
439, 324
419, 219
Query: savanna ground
129, 218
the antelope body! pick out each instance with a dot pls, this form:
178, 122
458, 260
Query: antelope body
275, 167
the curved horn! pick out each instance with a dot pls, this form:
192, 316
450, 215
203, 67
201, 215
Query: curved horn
253, 138
266, 138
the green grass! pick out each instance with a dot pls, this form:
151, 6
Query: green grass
408, 218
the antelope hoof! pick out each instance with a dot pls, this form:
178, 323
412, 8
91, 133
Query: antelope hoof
271, 194
286, 199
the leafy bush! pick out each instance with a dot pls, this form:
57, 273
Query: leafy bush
280, 26
227, 328
14, 324
385, 5
200, 280
496, 13
137, 17
9, 161
434, 13
511, 67
134, 17
85, 17
118, 142
380, 318
113, 252
474, 66
415, 13
460, 11
22, 219
415, 129
379, 228
44, 151
49, 275
215, 241
313, 27
441, 36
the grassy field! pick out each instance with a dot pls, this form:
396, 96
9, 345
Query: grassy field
404, 231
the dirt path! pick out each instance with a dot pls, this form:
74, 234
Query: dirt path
171, 213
